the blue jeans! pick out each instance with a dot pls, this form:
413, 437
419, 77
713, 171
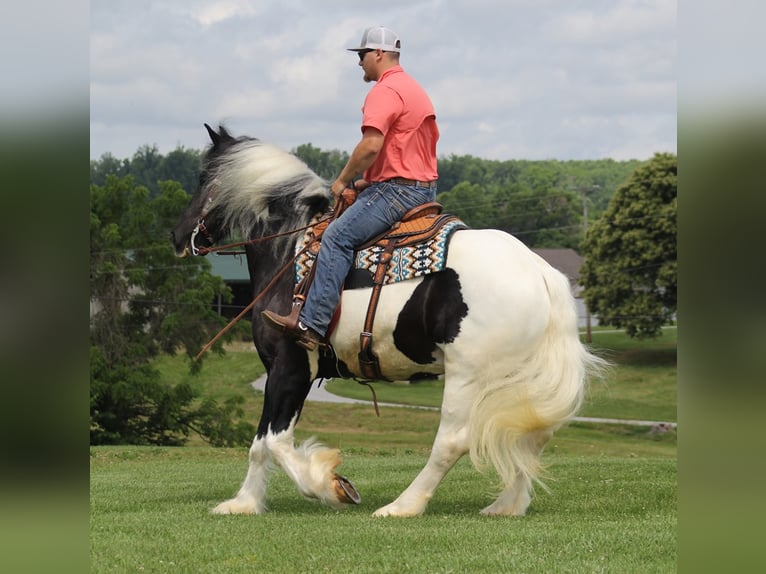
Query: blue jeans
375, 210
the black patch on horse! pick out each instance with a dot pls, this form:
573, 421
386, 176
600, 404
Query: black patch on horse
431, 315
358, 279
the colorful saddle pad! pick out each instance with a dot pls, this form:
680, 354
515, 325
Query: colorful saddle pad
407, 262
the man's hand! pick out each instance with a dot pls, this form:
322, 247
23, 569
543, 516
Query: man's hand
337, 188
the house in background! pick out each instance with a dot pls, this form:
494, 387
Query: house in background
569, 263
233, 270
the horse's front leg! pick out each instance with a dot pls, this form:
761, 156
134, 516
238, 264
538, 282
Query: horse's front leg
311, 466
280, 401
251, 498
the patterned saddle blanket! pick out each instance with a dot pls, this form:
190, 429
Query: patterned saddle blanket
423, 244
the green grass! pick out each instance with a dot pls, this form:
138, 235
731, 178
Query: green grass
643, 382
611, 508
149, 513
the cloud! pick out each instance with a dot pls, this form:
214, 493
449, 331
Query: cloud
211, 13
623, 22
506, 78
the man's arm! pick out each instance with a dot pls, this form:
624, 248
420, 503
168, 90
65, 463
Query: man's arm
362, 157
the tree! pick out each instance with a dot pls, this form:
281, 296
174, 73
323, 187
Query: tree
630, 252
105, 166
326, 164
540, 217
146, 301
181, 165
471, 203
148, 167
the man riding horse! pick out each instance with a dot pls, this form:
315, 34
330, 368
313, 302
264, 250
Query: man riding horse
397, 155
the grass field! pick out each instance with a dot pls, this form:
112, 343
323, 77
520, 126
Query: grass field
611, 508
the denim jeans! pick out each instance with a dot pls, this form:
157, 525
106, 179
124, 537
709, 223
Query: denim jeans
374, 211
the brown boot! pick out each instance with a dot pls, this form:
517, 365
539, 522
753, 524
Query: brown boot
292, 327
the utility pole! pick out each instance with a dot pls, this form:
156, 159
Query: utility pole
584, 192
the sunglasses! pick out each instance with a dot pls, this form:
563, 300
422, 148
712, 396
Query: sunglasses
363, 53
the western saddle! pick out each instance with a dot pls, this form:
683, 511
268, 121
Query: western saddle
415, 227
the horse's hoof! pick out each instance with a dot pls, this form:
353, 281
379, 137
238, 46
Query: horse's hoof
345, 491
391, 510
235, 506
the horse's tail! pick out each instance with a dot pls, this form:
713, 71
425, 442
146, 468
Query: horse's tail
514, 413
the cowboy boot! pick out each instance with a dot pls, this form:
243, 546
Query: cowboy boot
292, 327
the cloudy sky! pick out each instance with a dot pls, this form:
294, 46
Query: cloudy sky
510, 79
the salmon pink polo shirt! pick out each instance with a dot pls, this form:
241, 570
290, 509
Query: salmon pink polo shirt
402, 111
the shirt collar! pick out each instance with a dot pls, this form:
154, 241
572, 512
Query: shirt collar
392, 70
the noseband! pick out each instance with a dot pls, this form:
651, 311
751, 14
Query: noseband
200, 227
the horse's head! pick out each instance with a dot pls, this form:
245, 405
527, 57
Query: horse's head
200, 224
247, 187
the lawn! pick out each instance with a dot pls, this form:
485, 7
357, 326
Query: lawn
611, 507
149, 513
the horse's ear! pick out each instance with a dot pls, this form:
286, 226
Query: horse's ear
214, 137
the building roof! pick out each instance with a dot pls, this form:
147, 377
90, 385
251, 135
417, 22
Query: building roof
565, 260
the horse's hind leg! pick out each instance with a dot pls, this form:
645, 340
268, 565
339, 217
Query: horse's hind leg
450, 444
251, 498
516, 496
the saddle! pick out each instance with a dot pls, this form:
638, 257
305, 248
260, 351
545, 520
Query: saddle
417, 226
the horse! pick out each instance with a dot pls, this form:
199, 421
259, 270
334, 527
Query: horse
498, 323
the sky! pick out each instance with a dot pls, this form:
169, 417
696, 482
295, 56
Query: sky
509, 79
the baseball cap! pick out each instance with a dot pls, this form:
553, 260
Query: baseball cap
378, 38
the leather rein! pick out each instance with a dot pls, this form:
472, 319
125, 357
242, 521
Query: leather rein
340, 206
200, 228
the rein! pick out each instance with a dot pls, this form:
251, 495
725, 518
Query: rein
252, 303
205, 250
346, 198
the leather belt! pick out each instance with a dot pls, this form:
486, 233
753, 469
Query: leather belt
413, 182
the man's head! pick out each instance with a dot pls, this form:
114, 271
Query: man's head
378, 51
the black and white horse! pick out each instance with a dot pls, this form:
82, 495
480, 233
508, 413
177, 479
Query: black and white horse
498, 323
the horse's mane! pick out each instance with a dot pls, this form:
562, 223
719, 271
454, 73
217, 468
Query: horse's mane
259, 187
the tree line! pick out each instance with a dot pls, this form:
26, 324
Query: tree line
146, 302
541, 202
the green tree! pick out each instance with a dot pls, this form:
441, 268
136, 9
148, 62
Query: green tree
146, 166
540, 217
146, 301
149, 167
458, 169
630, 252
326, 164
105, 166
181, 165
471, 203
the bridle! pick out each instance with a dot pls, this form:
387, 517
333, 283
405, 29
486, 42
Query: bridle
200, 228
